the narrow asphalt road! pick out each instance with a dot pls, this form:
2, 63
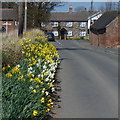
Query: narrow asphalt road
89, 81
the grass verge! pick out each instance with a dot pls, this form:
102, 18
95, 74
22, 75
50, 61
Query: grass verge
28, 80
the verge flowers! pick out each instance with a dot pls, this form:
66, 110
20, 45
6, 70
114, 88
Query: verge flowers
35, 113
9, 75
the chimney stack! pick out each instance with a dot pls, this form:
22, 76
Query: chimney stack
70, 9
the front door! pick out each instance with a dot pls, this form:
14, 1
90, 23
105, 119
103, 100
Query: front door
63, 33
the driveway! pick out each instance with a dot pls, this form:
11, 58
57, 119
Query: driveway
89, 81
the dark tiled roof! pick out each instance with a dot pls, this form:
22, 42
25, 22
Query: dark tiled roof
8, 14
73, 16
104, 20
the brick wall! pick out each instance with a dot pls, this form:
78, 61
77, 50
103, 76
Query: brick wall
110, 37
112, 33
97, 40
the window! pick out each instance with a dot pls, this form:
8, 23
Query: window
55, 33
69, 24
54, 24
42, 24
83, 33
69, 33
82, 24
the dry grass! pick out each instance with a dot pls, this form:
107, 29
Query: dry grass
11, 50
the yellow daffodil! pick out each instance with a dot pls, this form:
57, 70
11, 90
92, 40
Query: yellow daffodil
35, 113
3, 68
41, 83
42, 100
37, 79
48, 110
9, 75
49, 105
23, 52
15, 70
45, 74
37, 86
20, 77
50, 100
44, 89
29, 75
51, 85
34, 91
8, 66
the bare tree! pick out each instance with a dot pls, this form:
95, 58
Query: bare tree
109, 6
102, 8
39, 12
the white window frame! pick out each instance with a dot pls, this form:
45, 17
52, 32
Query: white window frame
42, 24
83, 24
69, 33
54, 24
55, 33
83, 33
69, 24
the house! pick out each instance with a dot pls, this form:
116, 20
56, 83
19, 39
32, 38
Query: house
66, 25
92, 19
8, 20
105, 31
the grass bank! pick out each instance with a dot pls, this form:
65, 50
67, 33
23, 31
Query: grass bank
29, 68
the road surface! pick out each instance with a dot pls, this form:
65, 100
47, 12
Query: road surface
89, 81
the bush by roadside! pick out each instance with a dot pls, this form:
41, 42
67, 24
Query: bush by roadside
28, 86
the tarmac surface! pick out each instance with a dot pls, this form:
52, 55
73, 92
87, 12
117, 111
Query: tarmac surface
89, 80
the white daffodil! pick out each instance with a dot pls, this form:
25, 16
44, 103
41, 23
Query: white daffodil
46, 93
18, 65
39, 60
31, 88
37, 65
53, 81
39, 75
53, 89
44, 67
51, 103
33, 71
43, 91
47, 79
30, 68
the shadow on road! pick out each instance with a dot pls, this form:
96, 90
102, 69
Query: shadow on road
72, 49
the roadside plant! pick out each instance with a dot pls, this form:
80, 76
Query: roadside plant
28, 86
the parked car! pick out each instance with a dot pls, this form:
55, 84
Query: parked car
2, 29
50, 36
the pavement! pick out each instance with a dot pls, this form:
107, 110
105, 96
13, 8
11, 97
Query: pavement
89, 81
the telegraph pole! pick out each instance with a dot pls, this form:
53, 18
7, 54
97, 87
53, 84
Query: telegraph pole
21, 21
91, 6
25, 21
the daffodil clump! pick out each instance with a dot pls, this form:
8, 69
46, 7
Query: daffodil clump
28, 87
